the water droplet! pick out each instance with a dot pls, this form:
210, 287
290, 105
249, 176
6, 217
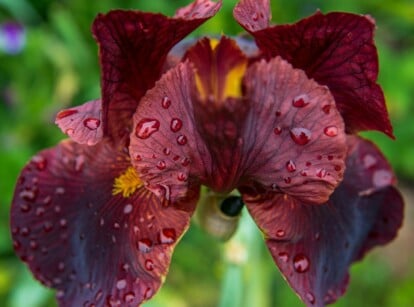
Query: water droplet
278, 113
300, 101
146, 127
303, 173
65, 113
283, 256
165, 102
317, 236
382, 178
128, 209
326, 108
129, 297
369, 161
121, 284
70, 132
63, 223
310, 297
290, 166
287, 180
166, 151
144, 245
29, 194
61, 266
255, 17
277, 130
167, 236
148, 293
301, 263
149, 265
79, 163
321, 173
47, 226
185, 162
161, 165
40, 162
182, 140
337, 168
60, 190
25, 231
25, 207
176, 125
300, 136
33, 244
181, 176
98, 295
280, 233
92, 123
331, 131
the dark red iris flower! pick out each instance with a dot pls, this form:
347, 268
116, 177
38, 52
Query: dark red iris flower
97, 216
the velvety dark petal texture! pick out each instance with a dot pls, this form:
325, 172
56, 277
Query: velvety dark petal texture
291, 143
314, 246
133, 48
337, 50
83, 123
95, 248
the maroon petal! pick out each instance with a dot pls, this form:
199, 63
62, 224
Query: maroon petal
94, 247
337, 50
83, 123
293, 143
133, 49
314, 246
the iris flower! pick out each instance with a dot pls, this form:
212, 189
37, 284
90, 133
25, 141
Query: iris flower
97, 217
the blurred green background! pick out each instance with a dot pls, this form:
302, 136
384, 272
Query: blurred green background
56, 66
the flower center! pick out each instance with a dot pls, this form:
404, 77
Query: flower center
127, 183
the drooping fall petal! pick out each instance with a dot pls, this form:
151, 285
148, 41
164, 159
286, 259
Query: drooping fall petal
94, 247
337, 50
314, 246
133, 48
279, 134
83, 123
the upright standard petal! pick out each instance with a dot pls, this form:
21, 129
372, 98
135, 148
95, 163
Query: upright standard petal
133, 49
314, 246
78, 235
337, 50
267, 127
83, 123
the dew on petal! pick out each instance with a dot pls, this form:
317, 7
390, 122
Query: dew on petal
144, 245
167, 236
382, 178
182, 140
148, 293
287, 180
181, 177
146, 127
129, 297
310, 297
121, 284
166, 151
301, 263
161, 165
300, 136
176, 125
66, 113
25, 207
326, 108
128, 209
47, 226
331, 131
321, 173
79, 163
290, 166
280, 233
300, 101
185, 162
29, 194
278, 113
283, 256
92, 123
369, 161
40, 162
277, 130
149, 265
165, 102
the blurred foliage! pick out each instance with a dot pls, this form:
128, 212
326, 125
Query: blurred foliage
58, 67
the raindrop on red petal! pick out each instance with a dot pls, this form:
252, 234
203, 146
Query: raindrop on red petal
290, 166
166, 151
300, 136
287, 179
25, 207
65, 113
149, 265
144, 245
176, 125
40, 162
278, 113
280, 233
165, 102
167, 236
129, 297
182, 177
148, 293
146, 127
331, 131
300, 101
92, 123
310, 297
301, 263
182, 140
29, 194
321, 173
277, 130
283, 256
161, 165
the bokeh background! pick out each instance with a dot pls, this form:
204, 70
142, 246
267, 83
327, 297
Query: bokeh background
48, 61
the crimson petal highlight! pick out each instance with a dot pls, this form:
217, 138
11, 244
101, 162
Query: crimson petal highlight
133, 50
93, 247
314, 246
337, 50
